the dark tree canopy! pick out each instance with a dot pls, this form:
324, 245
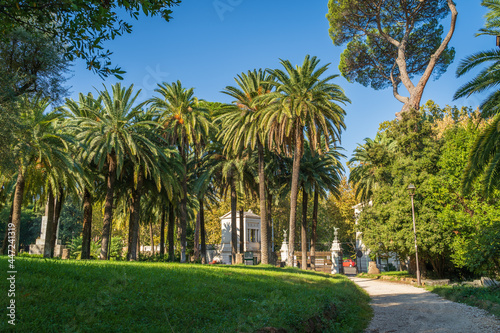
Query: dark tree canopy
31, 63
390, 42
81, 25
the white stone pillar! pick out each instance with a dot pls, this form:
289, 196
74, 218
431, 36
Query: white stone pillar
335, 257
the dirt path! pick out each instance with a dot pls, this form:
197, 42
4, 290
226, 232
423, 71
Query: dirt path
404, 308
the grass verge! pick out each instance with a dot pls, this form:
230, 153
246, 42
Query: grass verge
392, 276
97, 296
481, 297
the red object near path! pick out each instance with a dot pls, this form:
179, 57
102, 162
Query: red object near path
349, 263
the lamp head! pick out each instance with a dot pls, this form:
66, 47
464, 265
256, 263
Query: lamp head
411, 189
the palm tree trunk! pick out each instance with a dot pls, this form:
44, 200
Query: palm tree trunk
234, 235
297, 155
183, 220
6, 236
59, 201
138, 246
203, 233
49, 212
314, 229
87, 224
183, 205
242, 233
196, 246
16, 212
162, 233
303, 231
130, 247
108, 207
170, 232
269, 206
151, 238
135, 213
262, 200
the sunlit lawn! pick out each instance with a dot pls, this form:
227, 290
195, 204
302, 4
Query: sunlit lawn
97, 296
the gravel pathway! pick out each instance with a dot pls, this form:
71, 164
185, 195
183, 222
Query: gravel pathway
404, 308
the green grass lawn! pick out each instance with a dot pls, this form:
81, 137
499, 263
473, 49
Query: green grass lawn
96, 296
481, 297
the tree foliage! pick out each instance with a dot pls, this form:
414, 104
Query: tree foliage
432, 148
81, 25
390, 42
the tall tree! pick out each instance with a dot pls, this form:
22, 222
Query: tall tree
239, 130
112, 137
389, 42
304, 103
319, 175
74, 111
38, 146
186, 126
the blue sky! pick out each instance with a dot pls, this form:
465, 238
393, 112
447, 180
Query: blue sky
209, 42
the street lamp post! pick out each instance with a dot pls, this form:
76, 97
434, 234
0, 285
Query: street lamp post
411, 190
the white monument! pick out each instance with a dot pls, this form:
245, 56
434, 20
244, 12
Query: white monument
251, 233
39, 245
284, 247
335, 249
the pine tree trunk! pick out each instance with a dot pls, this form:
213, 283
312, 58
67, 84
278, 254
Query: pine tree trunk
16, 212
262, 200
87, 224
314, 229
303, 231
297, 155
162, 233
49, 213
108, 207
234, 235
170, 232
203, 233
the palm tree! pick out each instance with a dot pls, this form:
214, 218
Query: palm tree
324, 173
304, 103
186, 126
90, 179
38, 146
488, 78
240, 130
484, 159
228, 172
112, 136
367, 165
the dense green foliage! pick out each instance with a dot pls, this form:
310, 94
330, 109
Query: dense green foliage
431, 151
154, 297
